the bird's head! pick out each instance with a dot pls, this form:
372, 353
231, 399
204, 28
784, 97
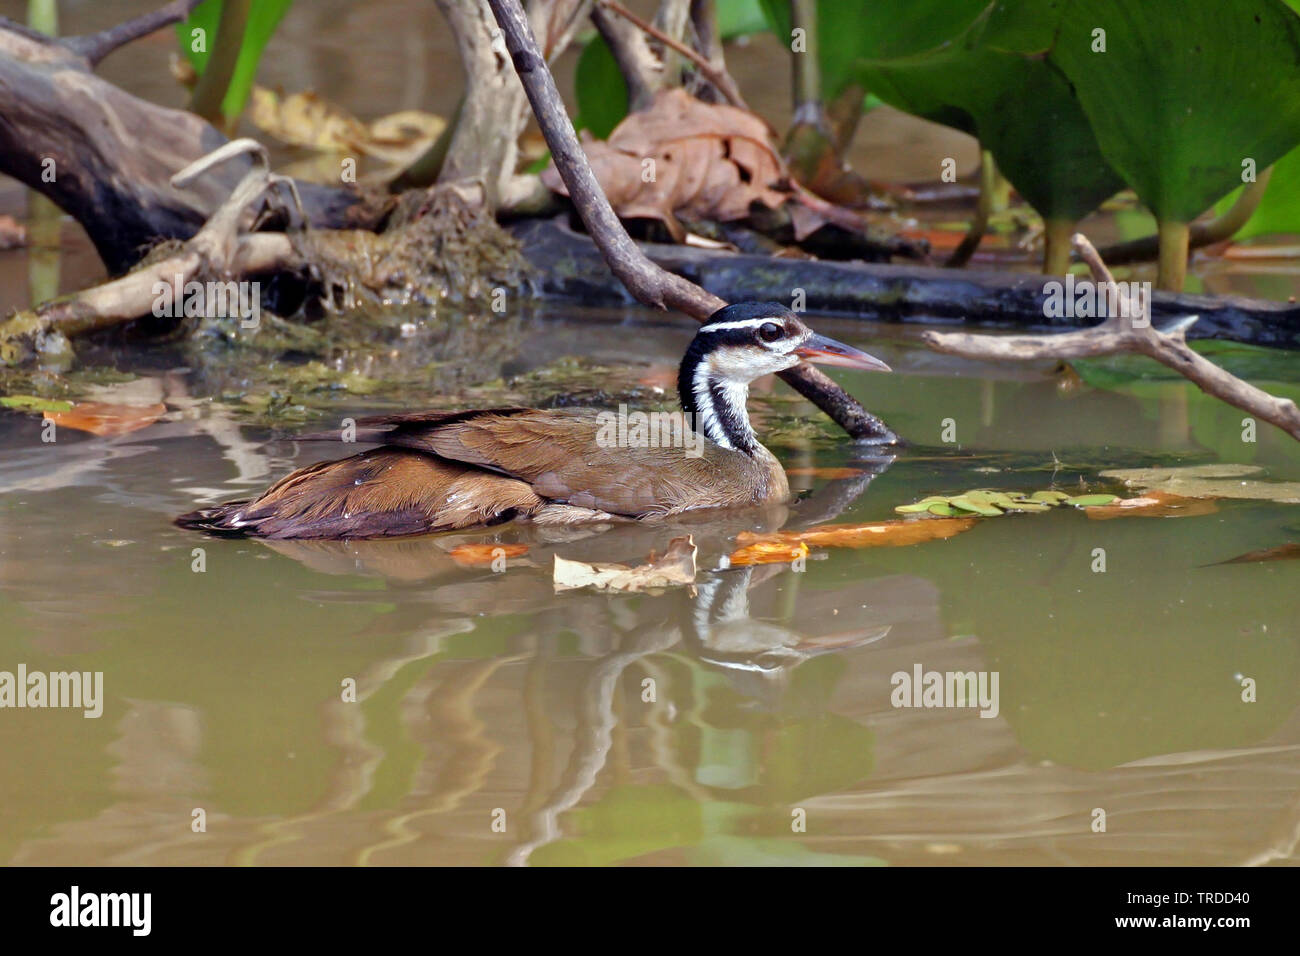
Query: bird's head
743, 342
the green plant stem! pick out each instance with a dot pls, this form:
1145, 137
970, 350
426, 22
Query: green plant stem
1000, 191
210, 91
1201, 233
980, 221
807, 71
43, 15
1171, 270
1056, 253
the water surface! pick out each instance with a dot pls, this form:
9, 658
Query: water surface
489, 697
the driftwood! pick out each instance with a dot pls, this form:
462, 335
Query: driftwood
220, 250
106, 157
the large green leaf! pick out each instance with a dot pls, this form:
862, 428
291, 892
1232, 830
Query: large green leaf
600, 88
1018, 105
1185, 91
848, 30
739, 17
1279, 209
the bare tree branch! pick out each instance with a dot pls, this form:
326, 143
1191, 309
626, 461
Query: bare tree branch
641, 69
720, 78
1129, 330
95, 46
647, 282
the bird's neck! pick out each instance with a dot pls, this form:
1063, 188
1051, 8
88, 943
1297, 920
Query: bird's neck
715, 404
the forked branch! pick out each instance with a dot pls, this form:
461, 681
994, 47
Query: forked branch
1129, 330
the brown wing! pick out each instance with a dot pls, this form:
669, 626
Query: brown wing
379, 493
571, 456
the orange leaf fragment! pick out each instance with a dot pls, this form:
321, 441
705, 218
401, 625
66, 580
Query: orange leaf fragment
1153, 504
482, 555
103, 418
768, 552
871, 535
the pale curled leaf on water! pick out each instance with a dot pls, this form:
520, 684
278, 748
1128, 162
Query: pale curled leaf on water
1224, 480
676, 566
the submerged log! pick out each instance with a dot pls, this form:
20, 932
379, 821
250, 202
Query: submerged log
570, 267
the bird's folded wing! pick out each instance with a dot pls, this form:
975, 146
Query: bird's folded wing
576, 457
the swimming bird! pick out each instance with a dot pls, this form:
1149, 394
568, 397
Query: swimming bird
443, 471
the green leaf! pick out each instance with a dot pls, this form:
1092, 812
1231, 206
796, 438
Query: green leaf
968, 502
740, 17
1185, 91
1025, 505
600, 88
848, 30
264, 17
1279, 209
1088, 501
1049, 497
1019, 107
34, 403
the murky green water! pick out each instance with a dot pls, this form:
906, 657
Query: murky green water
499, 721
747, 720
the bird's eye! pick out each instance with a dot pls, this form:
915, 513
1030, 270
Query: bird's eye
770, 331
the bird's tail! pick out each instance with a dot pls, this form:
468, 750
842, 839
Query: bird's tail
226, 520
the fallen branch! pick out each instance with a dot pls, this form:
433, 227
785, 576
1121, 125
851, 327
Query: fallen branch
1128, 331
646, 281
220, 248
569, 267
106, 157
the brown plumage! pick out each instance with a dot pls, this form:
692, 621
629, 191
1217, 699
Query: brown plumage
438, 471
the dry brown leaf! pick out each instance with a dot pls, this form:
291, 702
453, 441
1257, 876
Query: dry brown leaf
482, 555
1153, 504
305, 119
13, 233
102, 418
870, 535
711, 161
677, 566
768, 552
